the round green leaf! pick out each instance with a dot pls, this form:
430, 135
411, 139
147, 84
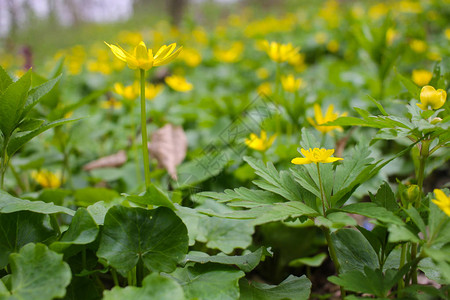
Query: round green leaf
154, 287
158, 237
38, 273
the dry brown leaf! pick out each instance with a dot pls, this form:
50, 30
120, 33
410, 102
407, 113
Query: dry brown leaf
169, 146
114, 160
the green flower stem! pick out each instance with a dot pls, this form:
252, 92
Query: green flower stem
333, 255
17, 177
322, 196
401, 283
114, 276
144, 130
139, 272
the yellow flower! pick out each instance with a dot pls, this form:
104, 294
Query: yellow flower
447, 33
430, 97
143, 58
321, 119
320, 38
265, 89
315, 155
418, 46
111, 103
279, 52
421, 77
152, 90
178, 83
260, 144
230, 55
46, 178
333, 46
391, 35
442, 201
290, 83
130, 92
191, 57
262, 73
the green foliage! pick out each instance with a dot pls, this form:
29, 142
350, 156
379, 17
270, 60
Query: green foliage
9, 204
157, 237
38, 273
291, 288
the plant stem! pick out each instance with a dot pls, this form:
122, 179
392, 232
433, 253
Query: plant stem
322, 196
333, 255
139, 272
401, 283
17, 177
114, 276
144, 130
4, 162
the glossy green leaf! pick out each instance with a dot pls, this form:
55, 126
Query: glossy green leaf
210, 281
372, 210
158, 237
20, 228
35, 94
82, 230
154, 287
153, 196
292, 288
12, 101
386, 198
246, 262
314, 261
9, 204
29, 124
399, 233
354, 252
82, 288
38, 273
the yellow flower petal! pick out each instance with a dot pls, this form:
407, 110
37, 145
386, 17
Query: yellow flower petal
300, 161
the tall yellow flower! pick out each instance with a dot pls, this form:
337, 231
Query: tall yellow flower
421, 77
178, 83
279, 52
429, 97
290, 83
315, 155
260, 143
321, 119
46, 178
143, 58
442, 201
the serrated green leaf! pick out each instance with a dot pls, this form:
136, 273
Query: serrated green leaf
36, 93
243, 197
12, 102
399, 233
417, 219
38, 273
20, 228
5, 80
372, 210
9, 204
210, 281
386, 198
82, 230
157, 236
18, 141
246, 262
292, 288
154, 287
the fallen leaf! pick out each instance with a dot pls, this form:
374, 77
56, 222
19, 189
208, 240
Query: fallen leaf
168, 147
114, 160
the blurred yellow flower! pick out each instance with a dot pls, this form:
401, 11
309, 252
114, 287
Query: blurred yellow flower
333, 46
433, 55
279, 52
391, 35
421, 77
290, 83
130, 92
429, 97
320, 38
442, 201
260, 143
378, 10
262, 73
447, 33
191, 57
230, 55
321, 119
178, 83
265, 89
298, 61
152, 90
315, 155
143, 58
46, 179
418, 46
200, 36
129, 37
111, 103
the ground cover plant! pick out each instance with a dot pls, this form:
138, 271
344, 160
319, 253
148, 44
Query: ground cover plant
290, 153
